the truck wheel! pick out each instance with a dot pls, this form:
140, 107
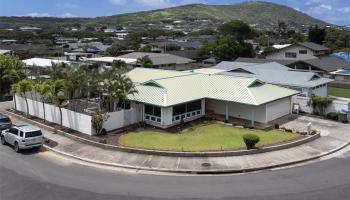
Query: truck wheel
3, 142
16, 147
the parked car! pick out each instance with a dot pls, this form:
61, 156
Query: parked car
22, 137
5, 122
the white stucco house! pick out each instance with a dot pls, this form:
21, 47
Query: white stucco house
166, 97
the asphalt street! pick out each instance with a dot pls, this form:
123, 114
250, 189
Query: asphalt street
34, 175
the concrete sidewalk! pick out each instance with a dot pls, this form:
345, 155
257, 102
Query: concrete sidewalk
334, 137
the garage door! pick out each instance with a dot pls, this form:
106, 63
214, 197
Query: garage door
277, 109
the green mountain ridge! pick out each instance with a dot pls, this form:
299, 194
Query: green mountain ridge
254, 12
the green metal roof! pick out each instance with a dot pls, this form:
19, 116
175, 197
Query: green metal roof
166, 88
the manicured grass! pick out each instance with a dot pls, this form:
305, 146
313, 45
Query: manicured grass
203, 138
339, 92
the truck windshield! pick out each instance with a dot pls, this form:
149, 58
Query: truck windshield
33, 134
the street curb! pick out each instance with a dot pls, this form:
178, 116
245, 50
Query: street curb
225, 171
265, 149
185, 171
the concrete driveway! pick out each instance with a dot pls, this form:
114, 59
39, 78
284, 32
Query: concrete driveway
327, 128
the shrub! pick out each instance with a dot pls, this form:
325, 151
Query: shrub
333, 116
250, 140
98, 119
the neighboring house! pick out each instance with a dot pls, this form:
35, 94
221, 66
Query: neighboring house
107, 61
8, 41
307, 83
29, 28
41, 63
162, 60
323, 65
341, 75
6, 52
65, 40
77, 56
299, 51
166, 97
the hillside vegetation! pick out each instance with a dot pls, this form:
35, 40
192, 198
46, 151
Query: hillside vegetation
262, 13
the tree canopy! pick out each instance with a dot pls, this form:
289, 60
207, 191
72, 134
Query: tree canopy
237, 29
11, 71
227, 48
317, 35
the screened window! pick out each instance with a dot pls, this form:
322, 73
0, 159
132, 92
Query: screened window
187, 110
302, 51
195, 105
152, 110
291, 55
179, 109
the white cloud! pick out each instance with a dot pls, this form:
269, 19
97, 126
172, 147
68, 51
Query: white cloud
36, 14
325, 6
66, 15
344, 10
117, 2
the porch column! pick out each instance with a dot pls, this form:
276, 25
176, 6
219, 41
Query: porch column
253, 117
226, 112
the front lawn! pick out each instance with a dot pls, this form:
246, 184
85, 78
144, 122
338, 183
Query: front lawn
210, 137
339, 92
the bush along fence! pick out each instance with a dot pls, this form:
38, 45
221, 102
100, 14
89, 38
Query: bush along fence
331, 108
74, 120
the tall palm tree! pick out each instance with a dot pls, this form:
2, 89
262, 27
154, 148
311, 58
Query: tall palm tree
57, 93
14, 90
25, 86
145, 62
44, 90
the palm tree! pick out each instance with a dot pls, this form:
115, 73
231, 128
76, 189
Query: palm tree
57, 71
25, 86
44, 90
125, 87
145, 62
118, 89
57, 93
14, 90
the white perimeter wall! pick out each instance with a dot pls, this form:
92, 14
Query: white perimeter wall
336, 106
70, 119
124, 118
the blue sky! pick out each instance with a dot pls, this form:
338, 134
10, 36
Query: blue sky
333, 11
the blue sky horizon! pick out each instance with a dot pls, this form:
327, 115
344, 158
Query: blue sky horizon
335, 11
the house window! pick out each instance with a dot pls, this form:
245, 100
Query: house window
291, 55
302, 51
153, 110
153, 113
187, 110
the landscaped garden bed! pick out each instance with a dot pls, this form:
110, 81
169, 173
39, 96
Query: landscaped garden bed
207, 137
